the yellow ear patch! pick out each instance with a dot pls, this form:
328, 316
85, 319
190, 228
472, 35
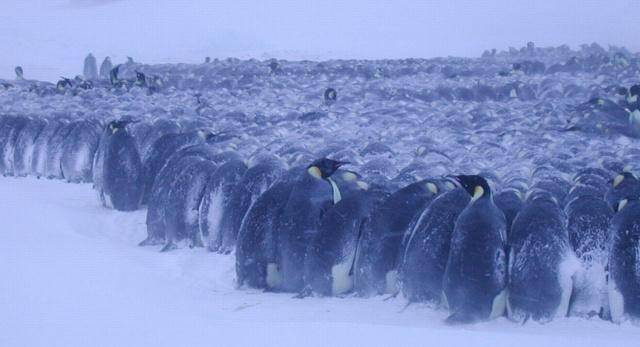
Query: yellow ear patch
478, 192
315, 172
618, 180
450, 186
622, 204
349, 176
432, 188
363, 185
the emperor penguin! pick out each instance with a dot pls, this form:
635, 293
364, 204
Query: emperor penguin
105, 68
313, 193
389, 224
424, 257
90, 70
624, 261
475, 278
122, 169
541, 262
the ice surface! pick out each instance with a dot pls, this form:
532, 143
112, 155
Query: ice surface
72, 276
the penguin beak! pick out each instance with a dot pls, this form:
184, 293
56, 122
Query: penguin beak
339, 164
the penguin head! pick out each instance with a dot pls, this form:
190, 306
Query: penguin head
117, 125
475, 185
330, 95
624, 176
634, 94
140, 77
324, 167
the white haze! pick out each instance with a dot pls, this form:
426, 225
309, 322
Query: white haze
50, 38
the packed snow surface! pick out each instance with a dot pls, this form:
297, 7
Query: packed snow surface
72, 276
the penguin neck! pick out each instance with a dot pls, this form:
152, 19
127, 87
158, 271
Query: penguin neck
337, 196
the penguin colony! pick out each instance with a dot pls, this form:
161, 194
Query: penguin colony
497, 186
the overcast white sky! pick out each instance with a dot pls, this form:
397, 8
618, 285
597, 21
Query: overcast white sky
51, 37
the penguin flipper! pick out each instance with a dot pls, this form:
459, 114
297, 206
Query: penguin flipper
170, 246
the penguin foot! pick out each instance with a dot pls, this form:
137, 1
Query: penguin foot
169, 247
306, 292
392, 296
149, 241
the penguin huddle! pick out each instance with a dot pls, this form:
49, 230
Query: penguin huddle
320, 195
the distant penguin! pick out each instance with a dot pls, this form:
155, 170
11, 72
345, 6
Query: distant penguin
257, 254
624, 262
330, 96
19, 73
141, 79
105, 68
541, 262
216, 201
90, 70
589, 218
425, 255
382, 236
312, 195
475, 279
329, 264
122, 169
623, 185
64, 84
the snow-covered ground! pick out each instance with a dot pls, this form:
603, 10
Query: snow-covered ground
72, 275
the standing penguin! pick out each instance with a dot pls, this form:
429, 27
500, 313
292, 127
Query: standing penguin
19, 73
330, 257
312, 195
425, 255
122, 169
382, 236
181, 209
474, 283
588, 225
25, 145
105, 68
624, 262
90, 70
541, 262
255, 181
216, 201
257, 244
